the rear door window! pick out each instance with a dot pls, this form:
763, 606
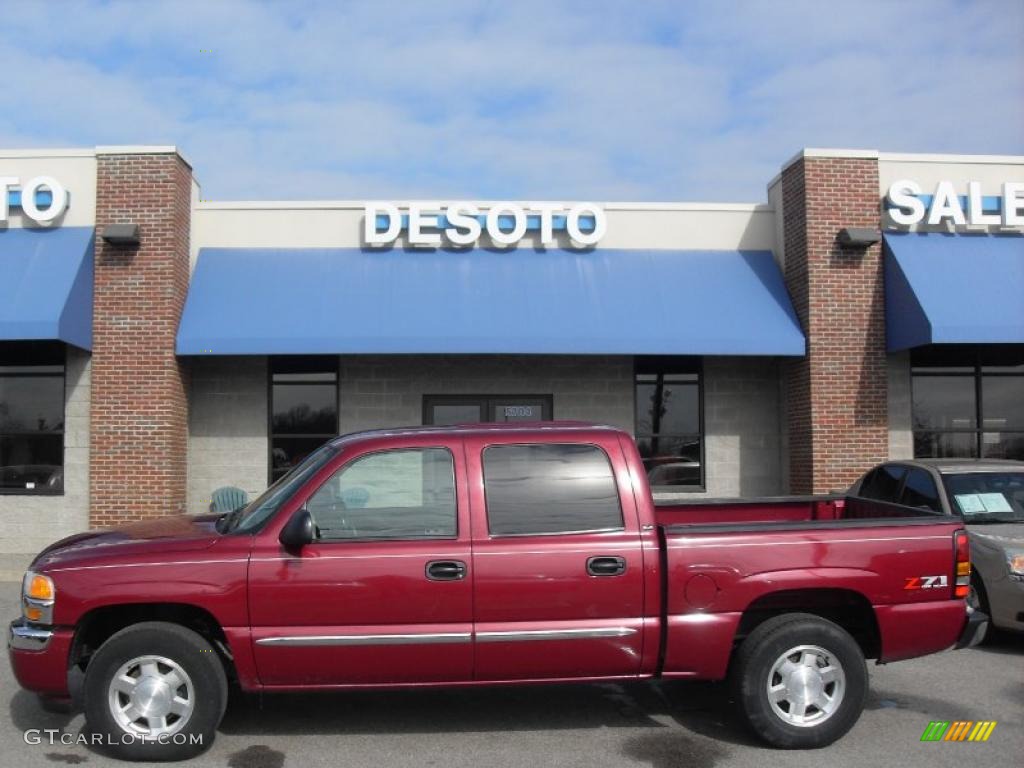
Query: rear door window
920, 491
883, 484
548, 489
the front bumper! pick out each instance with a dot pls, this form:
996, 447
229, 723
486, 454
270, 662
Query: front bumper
39, 657
22, 636
974, 629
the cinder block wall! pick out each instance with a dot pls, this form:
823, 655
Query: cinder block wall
33, 522
837, 414
139, 407
741, 402
387, 391
742, 424
901, 425
228, 421
228, 409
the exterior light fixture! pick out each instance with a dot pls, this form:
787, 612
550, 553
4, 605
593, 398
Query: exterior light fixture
858, 237
121, 234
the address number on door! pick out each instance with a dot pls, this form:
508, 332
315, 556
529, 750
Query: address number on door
512, 411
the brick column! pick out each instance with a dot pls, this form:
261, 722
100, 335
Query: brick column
836, 397
139, 409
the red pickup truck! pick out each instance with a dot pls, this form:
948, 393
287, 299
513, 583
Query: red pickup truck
480, 555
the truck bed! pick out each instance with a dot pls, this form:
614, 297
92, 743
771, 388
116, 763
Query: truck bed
725, 559
767, 509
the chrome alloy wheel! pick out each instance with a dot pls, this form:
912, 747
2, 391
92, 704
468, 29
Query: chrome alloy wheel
151, 696
806, 686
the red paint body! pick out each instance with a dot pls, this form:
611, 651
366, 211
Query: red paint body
722, 564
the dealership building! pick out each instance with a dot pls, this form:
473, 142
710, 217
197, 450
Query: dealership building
158, 349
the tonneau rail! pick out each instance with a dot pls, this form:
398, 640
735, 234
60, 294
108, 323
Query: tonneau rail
680, 501
933, 518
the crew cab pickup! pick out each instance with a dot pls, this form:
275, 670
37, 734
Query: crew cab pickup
487, 554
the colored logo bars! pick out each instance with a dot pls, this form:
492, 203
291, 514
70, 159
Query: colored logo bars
958, 730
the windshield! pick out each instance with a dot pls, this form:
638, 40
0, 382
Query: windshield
987, 497
252, 517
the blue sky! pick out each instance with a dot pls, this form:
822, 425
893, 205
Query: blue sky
631, 100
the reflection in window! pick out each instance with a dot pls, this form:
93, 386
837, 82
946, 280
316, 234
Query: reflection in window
668, 423
549, 488
968, 404
31, 417
399, 494
303, 409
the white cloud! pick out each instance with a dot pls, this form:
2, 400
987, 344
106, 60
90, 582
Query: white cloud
603, 100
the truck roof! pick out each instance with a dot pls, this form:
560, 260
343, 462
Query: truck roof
480, 429
955, 466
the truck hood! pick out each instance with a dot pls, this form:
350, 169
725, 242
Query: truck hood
156, 537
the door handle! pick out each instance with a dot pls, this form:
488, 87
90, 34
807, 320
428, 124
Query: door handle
446, 570
606, 566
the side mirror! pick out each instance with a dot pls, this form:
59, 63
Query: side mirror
298, 532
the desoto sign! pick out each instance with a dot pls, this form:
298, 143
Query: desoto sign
462, 223
906, 205
42, 198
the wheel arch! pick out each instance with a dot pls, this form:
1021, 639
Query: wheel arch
100, 623
847, 608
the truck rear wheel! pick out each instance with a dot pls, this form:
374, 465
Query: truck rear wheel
800, 680
155, 691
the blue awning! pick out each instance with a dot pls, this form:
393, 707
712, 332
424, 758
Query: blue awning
953, 289
559, 301
46, 285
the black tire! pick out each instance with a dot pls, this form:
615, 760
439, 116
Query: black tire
753, 665
193, 654
981, 596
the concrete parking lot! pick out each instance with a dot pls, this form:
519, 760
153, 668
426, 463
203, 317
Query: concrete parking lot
661, 725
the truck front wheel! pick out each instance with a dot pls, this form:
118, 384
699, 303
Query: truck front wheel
155, 691
800, 680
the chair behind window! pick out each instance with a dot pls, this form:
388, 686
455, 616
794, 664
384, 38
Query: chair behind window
228, 498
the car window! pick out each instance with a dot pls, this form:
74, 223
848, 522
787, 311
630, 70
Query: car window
883, 484
987, 497
406, 493
920, 491
547, 488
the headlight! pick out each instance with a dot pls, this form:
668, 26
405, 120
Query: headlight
1015, 561
37, 596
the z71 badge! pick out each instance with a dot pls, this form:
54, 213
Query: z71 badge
925, 582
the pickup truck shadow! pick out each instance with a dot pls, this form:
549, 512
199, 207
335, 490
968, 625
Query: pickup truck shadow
700, 707
26, 714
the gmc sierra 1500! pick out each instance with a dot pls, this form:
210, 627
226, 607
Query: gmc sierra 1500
480, 555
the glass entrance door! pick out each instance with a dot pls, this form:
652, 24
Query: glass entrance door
471, 409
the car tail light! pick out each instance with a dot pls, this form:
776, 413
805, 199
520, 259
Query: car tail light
962, 565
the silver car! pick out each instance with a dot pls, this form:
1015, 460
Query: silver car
989, 495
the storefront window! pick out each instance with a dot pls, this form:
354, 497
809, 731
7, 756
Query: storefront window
669, 423
31, 418
303, 408
968, 404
